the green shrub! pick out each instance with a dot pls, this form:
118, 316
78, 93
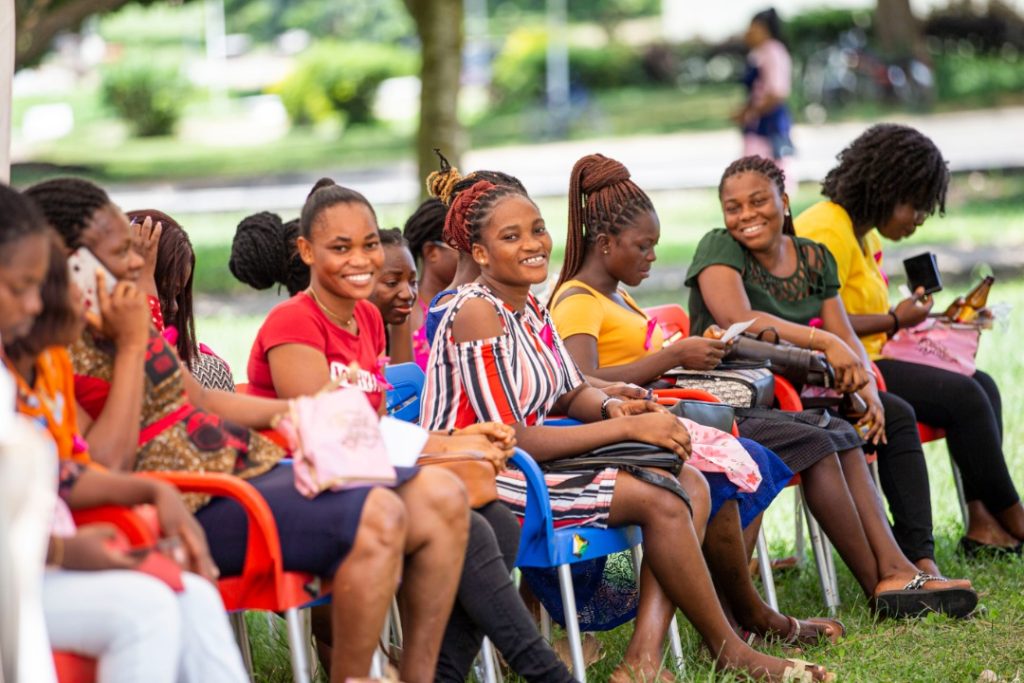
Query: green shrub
334, 80
980, 79
149, 97
520, 69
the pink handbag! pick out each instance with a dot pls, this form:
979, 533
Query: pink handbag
938, 343
336, 442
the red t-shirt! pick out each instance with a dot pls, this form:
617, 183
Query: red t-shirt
300, 321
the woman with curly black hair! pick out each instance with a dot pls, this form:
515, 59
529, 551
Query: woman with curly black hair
887, 183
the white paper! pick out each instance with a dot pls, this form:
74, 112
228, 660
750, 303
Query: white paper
7, 393
403, 440
736, 329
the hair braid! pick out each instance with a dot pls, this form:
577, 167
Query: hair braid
887, 165
425, 225
392, 237
767, 168
69, 204
263, 253
603, 200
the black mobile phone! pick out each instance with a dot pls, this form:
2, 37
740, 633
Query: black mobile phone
923, 271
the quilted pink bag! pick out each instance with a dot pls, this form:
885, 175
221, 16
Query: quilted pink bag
938, 343
716, 451
336, 442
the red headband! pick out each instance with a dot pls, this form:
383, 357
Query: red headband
456, 222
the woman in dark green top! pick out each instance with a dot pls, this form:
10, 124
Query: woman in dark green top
756, 268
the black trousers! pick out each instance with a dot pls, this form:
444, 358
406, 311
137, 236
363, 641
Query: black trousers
904, 477
489, 604
970, 410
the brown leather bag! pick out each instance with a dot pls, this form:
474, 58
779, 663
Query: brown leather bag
477, 474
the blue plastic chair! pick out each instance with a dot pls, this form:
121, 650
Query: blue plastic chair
403, 398
543, 546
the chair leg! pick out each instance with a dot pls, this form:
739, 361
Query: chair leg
572, 625
873, 466
241, 632
545, 624
822, 551
307, 637
764, 565
492, 673
798, 525
300, 667
958, 480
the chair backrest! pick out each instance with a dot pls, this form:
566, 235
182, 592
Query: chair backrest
671, 317
403, 398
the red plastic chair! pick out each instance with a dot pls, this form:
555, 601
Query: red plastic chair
263, 583
141, 529
671, 317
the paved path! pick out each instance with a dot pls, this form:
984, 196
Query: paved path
970, 140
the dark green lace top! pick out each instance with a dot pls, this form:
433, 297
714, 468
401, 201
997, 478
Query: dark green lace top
797, 298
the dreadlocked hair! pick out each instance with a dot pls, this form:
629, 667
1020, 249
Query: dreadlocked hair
69, 204
888, 165
19, 218
470, 211
392, 237
174, 258
49, 327
768, 169
325, 194
263, 253
424, 226
446, 183
602, 201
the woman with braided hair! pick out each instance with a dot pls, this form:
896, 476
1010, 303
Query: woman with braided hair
263, 253
142, 410
497, 357
612, 235
436, 262
887, 182
757, 269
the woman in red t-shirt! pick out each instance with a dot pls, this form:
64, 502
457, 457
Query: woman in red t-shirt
331, 331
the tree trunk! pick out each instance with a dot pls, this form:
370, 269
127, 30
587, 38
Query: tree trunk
439, 24
899, 32
39, 21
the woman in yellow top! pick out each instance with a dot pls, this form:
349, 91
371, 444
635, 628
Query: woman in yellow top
888, 181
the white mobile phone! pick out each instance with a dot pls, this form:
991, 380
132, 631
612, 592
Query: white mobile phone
83, 266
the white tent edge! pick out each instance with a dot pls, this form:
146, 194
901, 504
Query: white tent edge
6, 83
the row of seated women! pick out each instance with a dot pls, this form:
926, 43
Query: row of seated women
496, 357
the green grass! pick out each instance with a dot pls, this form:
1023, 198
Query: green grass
926, 650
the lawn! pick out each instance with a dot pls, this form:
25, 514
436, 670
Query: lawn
925, 650
930, 649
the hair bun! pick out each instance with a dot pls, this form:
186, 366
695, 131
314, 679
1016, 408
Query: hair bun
596, 172
323, 182
258, 251
441, 183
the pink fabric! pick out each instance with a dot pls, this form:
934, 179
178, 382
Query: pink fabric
336, 442
774, 70
62, 524
940, 344
420, 345
716, 451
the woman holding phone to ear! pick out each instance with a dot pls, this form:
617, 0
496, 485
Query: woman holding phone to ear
887, 183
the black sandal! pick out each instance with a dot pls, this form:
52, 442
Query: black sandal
914, 600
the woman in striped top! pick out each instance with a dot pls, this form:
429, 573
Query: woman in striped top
497, 357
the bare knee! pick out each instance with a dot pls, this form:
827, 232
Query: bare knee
383, 524
441, 493
696, 485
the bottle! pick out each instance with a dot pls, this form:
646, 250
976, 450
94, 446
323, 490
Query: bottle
975, 301
954, 309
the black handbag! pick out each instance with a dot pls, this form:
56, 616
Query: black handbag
799, 366
718, 415
629, 456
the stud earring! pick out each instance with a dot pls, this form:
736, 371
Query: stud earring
605, 252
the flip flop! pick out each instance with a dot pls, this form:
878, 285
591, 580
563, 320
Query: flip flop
799, 671
791, 640
914, 600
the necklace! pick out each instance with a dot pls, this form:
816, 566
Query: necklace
347, 324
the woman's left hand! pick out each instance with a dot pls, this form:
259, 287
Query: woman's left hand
501, 435
177, 521
871, 425
635, 407
146, 242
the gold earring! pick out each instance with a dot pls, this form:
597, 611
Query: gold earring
605, 252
